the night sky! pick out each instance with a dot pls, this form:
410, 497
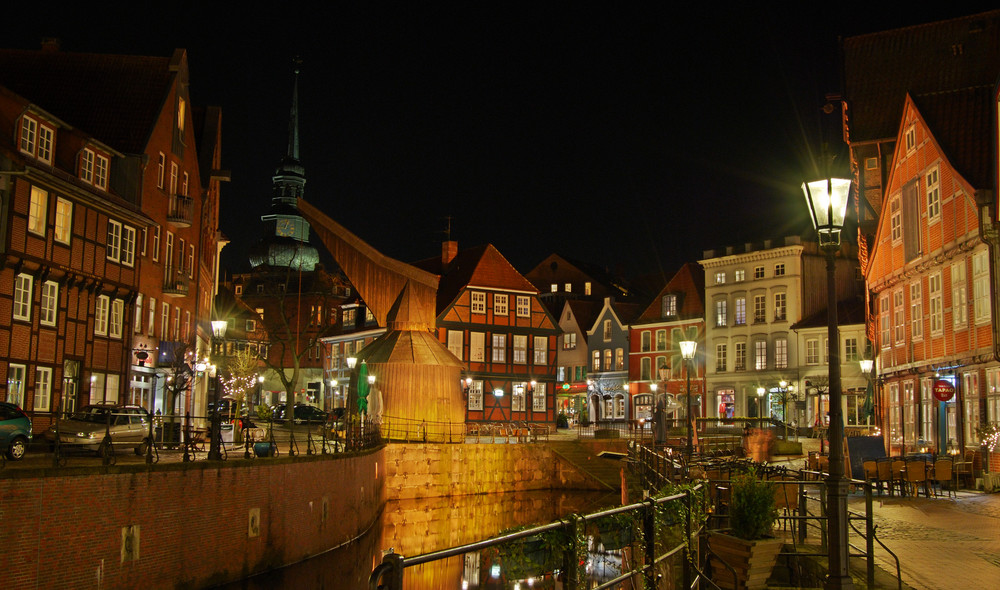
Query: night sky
634, 139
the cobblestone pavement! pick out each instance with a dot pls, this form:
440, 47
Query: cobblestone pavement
941, 542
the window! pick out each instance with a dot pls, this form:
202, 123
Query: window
812, 351
36, 139
569, 287
173, 178
851, 350
177, 323
645, 340
476, 395
499, 304
541, 350
971, 422
759, 309
607, 359
587, 288
128, 245
165, 321
661, 340
64, 220
661, 363
517, 398
911, 138
180, 259
740, 317
22, 296
152, 317
933, 196
758, 272
645, 370
499, 348
981, 286
760, 355
101, 172
117, 318
916, 311
779, 269
936, 305
43, 389
720, 313
16, 375
113, 251
619, 359
884, 320
156, 244
596, 363
38, 210
50, 302
184, 184
739, 275
896, 220
554, 288
181, 116
137, 314
992, 395
350, 317
720, 358
477, 347
538, 402
569, 341
455, 342
87, 166
187, 332
781, 353
780, 306
871, 163
478, 302
190, 261
895, 436
523, 306
898, 315
959, 295
520, 349
668, 306
607, 330
160, 166
740, 362
720, 278
101, 308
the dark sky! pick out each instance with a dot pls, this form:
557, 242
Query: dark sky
634, 139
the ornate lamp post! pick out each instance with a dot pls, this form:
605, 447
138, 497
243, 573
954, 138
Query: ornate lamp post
688, 348
827, 201
760, 407
497, 397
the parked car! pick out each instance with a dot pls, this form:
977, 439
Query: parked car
303, 413
15, 431
129, 425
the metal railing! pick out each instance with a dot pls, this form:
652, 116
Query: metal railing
649, 547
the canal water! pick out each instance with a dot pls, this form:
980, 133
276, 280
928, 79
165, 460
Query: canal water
414, 527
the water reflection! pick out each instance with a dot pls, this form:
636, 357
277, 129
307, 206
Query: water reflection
413, 527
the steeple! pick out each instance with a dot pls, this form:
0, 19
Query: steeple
287, 239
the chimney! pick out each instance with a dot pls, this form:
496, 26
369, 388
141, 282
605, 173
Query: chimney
50, 44
449, 249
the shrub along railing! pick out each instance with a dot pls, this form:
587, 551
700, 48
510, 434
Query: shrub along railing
652, 534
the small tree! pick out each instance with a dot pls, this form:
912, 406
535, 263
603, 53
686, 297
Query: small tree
242, 371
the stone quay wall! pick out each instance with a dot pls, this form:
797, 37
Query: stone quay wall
181, 525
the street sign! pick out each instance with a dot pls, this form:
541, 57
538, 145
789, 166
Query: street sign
943, 390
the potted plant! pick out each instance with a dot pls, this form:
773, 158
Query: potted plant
748, 547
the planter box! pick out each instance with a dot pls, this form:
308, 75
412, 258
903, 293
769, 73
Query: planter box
265, 449
752, 560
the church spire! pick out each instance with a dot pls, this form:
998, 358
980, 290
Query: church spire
293, 121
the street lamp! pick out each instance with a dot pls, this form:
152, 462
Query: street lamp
827, 201
497, 396
688, 348
760, 407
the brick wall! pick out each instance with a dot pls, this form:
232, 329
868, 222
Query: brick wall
64, 530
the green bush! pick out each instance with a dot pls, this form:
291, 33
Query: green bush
752, 512
562, 421
263, 412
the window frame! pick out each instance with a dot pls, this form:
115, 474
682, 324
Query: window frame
24, 285
113, 245
116, 319
498, 350
38, 210
102, 309
42, 398
932, 192
523, 303
540, 350
916, 311
48, 308
63, 232
500, 301
477, 302
520, 345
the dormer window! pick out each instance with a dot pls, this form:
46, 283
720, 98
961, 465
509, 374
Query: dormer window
94, 168
36, 139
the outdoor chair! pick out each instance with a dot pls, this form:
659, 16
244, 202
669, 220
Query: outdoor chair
916, 476
963, 468
870, 467
786, 500
897, 473
944, 472
884, 474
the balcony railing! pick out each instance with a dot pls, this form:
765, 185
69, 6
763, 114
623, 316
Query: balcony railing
180, 211
175, 282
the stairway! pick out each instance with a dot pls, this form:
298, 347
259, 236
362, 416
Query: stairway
584, 457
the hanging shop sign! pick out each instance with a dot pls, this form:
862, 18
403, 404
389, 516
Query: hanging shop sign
943, 390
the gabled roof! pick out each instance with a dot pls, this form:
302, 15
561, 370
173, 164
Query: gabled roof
962, 123
554, 268
689, 284
585, 312
881, 68
849, 313
115, 98
482, 266
623, 312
